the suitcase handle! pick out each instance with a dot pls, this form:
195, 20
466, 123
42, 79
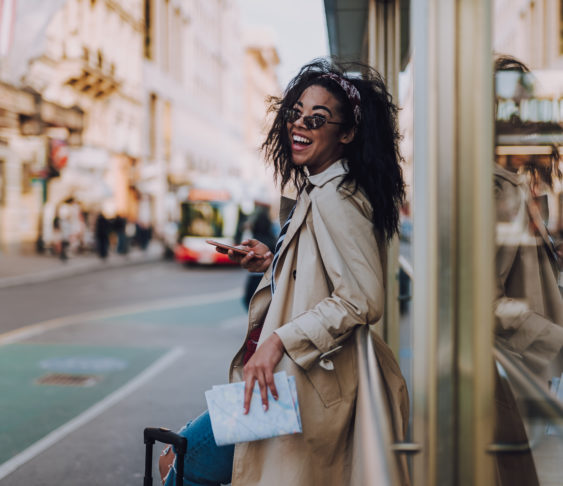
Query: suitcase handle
166, 436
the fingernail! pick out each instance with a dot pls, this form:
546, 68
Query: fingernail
265, 407
275, 397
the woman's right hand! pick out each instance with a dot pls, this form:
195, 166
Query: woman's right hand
258, 258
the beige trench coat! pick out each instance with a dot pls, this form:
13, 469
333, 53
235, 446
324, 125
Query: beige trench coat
529, 317
329, 279
529, 307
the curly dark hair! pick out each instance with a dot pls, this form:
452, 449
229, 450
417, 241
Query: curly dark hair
373, 156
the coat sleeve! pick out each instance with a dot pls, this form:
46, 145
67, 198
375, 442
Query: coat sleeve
350, 255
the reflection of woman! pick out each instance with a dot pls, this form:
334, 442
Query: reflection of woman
529, 308
528, 304
335, 139
528, 311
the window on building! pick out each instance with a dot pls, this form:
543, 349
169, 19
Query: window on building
152, 125
178, 43
165, 31
148, 29
167, 129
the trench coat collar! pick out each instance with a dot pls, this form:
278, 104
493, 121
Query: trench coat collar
512, 177
339, 168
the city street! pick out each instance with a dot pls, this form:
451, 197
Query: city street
88, 361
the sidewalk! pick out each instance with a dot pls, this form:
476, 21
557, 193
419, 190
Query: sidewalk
29, 267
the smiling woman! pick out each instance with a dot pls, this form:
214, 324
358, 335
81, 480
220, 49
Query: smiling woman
335, 138
316, 139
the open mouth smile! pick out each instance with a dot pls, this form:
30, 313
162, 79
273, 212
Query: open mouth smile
300, 140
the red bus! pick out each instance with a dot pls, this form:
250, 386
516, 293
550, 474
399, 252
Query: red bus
206, 214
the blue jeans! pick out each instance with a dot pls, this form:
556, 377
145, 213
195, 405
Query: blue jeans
205, 463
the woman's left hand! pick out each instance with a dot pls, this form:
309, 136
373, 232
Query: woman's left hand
260, 368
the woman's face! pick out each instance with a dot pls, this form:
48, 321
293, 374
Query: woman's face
318, 148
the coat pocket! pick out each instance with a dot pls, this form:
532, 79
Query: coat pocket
326, 384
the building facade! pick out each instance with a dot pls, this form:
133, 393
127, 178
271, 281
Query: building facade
139, 100
87, 57
261, 82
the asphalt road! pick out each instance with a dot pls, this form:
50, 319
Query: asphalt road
140, 345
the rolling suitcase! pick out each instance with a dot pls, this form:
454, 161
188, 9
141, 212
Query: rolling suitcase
166, 436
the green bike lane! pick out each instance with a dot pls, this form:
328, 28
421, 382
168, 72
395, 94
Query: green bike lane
58, 375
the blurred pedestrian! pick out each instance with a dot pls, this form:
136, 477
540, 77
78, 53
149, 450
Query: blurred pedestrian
102, 231
261, 229
119, 226
65, 225
144, 228
335, 138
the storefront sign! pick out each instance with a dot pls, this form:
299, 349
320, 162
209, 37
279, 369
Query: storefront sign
533, 110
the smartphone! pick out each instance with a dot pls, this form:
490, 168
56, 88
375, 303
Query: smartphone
223, 248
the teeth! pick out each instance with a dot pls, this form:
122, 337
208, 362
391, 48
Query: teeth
300, 139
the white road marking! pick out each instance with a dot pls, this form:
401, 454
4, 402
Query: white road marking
237, 322
169, 303
50, 439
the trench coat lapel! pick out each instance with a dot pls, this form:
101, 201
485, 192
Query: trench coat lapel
299, 215
297, 220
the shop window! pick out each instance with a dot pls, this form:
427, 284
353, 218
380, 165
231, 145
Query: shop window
527, 182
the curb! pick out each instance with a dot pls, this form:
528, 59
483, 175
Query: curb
79, 268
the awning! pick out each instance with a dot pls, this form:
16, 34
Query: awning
346, 24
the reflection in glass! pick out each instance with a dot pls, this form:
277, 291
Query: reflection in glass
528, 304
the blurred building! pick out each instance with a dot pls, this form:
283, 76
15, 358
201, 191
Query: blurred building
193, 78
123, 105
261, 82
84, 56
26, 163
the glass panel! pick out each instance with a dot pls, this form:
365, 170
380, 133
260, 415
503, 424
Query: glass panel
406, 227
528, 194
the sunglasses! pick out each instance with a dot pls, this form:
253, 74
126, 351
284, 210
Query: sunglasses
312, 122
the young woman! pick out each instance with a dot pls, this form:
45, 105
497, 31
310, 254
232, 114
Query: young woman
335, 139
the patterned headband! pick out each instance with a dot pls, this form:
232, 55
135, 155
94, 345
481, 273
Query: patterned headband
352, 94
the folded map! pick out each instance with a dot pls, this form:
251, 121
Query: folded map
230, 425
